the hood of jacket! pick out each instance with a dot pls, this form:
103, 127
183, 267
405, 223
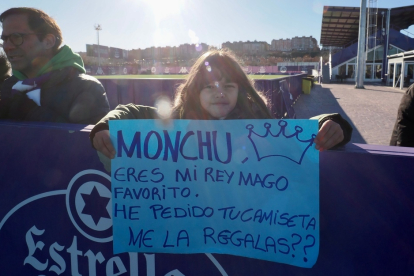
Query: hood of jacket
65, 57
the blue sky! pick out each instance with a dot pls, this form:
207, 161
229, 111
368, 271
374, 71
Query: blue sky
132, 24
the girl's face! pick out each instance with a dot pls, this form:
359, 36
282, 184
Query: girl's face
219, 98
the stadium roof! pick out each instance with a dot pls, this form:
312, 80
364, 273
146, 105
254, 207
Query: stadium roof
340, 25
402, 17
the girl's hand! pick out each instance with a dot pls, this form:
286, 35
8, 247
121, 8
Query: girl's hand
329, 135
103, 143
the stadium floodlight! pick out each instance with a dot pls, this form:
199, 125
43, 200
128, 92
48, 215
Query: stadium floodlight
98, 28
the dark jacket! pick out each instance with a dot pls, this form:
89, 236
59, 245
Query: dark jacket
67, 97
132, 111
403, 132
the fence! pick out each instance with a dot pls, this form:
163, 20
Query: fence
366, 213
282, 92
286, 68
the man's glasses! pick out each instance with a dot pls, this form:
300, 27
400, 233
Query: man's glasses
16, 39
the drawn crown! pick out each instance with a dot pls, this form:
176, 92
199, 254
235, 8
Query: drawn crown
291, 142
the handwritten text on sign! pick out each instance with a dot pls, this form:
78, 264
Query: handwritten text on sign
241, 187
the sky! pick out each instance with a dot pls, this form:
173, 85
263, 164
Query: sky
133, 24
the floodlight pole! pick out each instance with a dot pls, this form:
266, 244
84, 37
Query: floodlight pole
359, 77
98, 28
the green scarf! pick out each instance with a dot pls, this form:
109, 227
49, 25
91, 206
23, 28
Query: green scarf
65, 57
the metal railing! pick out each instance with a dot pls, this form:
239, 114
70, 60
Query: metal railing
280, 92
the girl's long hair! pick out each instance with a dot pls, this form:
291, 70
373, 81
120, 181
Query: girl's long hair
213, 66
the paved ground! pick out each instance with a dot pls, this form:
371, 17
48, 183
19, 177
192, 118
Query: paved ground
372, 111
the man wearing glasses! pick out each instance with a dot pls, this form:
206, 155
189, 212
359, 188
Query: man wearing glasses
49, 82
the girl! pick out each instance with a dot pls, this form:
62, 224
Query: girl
217, 88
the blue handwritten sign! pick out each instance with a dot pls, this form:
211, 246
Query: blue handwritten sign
241, 187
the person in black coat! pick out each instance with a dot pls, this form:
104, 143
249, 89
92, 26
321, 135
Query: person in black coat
403, 132
4, 69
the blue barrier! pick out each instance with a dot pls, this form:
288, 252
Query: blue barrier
146, 91
366, 213
138, 91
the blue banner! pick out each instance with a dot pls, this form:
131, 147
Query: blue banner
241, 187
52, 221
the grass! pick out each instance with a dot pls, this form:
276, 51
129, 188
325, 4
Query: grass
255, 77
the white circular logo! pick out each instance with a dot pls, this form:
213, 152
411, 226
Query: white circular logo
283, 69
89, 205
